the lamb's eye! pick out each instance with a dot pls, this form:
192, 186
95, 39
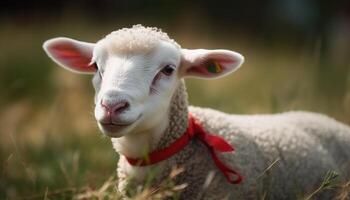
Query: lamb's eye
168, 70
97, 70
95, 66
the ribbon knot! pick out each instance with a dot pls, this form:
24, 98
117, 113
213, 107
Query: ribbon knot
216, 143
194, 130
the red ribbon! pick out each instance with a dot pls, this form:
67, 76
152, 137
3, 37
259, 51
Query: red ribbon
194, 130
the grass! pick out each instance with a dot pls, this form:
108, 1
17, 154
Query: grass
327, 184
107, 190
50, 147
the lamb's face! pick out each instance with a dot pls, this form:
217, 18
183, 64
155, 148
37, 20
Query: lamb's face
136, 71
133, 89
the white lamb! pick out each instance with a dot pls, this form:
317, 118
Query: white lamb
141, 103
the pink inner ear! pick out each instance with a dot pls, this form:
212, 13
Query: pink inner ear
209, 68
198, 70
72, 57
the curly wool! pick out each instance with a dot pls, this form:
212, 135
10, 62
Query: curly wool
306, 145
137, 39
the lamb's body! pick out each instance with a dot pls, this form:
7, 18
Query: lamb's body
306, 145
141, 102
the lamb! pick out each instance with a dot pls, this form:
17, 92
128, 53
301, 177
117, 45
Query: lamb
141, 103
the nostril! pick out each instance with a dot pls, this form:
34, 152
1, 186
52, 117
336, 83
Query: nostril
120, 107
114, 108
104, 105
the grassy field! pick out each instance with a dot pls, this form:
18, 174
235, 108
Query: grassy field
49, 141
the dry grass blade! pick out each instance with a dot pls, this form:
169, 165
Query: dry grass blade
45, 195
65, 173
268, 168
180, 187
344, 192
176, 171
105, 191
165, 189
5, 163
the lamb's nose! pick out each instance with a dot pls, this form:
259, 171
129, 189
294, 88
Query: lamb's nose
114, 108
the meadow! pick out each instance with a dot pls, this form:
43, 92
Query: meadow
50, 146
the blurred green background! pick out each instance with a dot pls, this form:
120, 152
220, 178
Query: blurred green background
297, 58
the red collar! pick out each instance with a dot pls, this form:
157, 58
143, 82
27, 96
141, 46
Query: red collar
194, 131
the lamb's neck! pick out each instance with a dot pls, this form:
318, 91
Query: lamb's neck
171, 127
177, 118
140, 144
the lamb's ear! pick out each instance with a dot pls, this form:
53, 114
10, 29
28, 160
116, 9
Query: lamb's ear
71, 54
204, 63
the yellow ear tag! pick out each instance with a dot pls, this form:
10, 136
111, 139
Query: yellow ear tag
214, 67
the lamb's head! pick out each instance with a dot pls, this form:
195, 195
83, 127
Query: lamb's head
136, 71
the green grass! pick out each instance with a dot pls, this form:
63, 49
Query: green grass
50, 146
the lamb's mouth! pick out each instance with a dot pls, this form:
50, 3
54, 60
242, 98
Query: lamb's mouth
110, 128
